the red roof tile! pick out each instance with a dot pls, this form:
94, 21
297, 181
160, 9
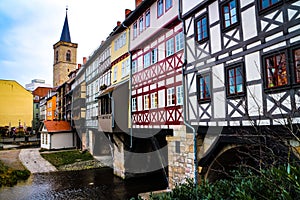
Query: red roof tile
57, 126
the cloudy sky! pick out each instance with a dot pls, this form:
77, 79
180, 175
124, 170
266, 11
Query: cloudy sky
29, 28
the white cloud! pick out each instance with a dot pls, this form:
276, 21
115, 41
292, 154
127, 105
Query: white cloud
36, 25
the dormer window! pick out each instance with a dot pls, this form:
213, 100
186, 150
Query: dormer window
68, 55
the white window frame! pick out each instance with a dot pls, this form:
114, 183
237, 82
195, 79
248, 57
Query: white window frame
133, 104
154, 56
147, 60
154, 100
115, 73
170, 97
179, 41
179, 95
146, 102
170, 47
134, 66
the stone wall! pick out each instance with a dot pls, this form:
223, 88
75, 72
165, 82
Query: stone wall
180, 156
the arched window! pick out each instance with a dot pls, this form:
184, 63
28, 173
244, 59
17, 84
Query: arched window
68, 55
56, 57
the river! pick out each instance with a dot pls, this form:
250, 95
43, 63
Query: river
85, 184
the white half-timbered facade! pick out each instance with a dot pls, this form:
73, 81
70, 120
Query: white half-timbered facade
156, 43
98, 74
242, 69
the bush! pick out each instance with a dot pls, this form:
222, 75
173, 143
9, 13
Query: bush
275, 183
10, 177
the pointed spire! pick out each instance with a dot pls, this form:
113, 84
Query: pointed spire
65, 34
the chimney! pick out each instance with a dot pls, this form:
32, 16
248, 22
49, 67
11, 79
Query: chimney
79, 66
127, 12
118, 23
84, 60
138, 2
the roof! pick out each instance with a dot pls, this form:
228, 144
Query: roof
65, 34
57, 126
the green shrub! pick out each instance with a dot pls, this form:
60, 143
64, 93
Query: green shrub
10, 177
275, 183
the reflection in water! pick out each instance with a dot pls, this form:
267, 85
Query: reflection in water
86, 184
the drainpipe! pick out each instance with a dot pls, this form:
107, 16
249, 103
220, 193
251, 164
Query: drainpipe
185, 107
130, 84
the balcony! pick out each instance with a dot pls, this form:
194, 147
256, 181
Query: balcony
105, 123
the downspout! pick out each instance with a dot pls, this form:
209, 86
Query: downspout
130, 84
185, 107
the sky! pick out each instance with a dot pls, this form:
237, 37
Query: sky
30, 28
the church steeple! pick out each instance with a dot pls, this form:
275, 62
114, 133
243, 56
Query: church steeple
65, 56
65, 34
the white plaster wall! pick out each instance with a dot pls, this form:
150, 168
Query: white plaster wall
255, 101
219, 100
62, 140
218, 76
155, 24
189, 4
252, 66
215, 39
213, 9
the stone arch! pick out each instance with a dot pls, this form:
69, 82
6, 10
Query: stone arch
230, 157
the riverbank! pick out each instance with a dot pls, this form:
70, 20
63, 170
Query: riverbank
11, 169
70, 160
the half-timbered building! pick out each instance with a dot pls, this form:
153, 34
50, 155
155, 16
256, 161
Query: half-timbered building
241, 72
156, 47
98, 75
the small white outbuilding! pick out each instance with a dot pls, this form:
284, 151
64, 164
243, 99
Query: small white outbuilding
57, 135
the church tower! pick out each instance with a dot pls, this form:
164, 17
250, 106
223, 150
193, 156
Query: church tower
65, 56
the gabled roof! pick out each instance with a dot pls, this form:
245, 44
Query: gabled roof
65, 34
57, 126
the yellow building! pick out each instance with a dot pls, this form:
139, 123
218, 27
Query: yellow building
16, 107
120, 57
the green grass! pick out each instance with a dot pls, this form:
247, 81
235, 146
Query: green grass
10, 177
66, 157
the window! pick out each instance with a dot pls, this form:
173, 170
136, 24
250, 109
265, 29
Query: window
203, 86
147, 60
135, 30
170, 97
125, 68
276, 70
68, 55
160, 8
146, 102
296, 57
154, 56
141, 24
170, 47
229, 11
179, 95
120, 41
134, 66
105, 105
235, 80
201, 29
147, 19
133, 103
267, 3
179, 41
115, 73
168, 4
154, 100
56, 57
